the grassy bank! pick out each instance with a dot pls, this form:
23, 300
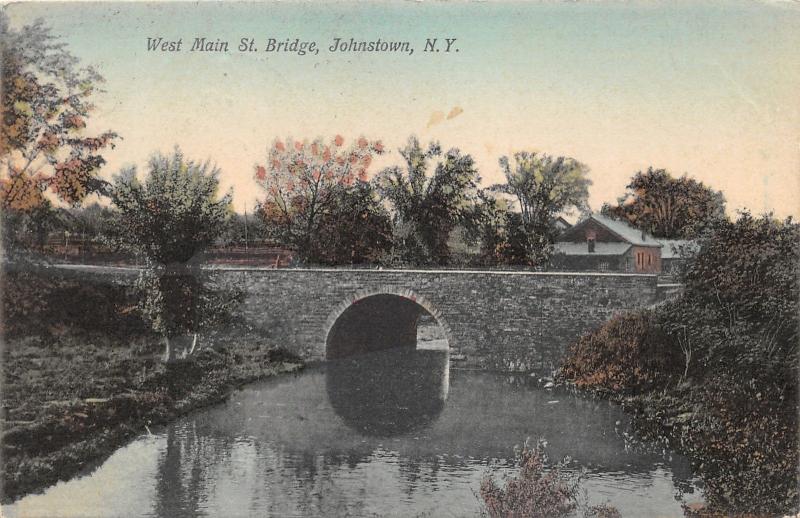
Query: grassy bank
82, 375
740, 433
714, 372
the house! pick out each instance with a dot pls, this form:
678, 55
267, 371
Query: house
675, 253
599, 243
561, 225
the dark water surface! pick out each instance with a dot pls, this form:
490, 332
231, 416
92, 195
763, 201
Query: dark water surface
388, 434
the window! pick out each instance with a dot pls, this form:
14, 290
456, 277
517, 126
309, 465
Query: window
603, 267
590, 242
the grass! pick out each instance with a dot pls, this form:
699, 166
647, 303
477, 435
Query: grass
75, 388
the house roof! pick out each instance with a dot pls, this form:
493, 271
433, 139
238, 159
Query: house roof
570, 248
626, 231
564, 223
621, 229
671, 248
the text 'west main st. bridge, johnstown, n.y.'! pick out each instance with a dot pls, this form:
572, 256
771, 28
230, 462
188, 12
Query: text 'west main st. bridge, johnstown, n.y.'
300, 46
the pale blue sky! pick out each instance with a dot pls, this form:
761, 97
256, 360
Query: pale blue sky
711, 88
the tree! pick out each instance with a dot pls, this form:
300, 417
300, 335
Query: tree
544, 187
170, 218
484, 225
244, 229
743, 283
28, 228
91, 221
355, 230
500, 231
302, 181
179, 305
668, 207
46, 101
175, 214
427, 206
728, 349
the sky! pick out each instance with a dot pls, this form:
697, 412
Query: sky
711, 89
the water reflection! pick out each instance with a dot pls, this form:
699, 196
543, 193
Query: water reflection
388, 435
390, 393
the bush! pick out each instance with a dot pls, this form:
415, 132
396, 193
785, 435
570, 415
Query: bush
38, 301
538, 491
740, 306
733, 337
628, 355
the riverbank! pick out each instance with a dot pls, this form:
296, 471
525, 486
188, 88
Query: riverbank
740, 436
71, 400
714, 371
82, 375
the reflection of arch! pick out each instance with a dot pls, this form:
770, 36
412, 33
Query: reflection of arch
386, 291
389, 393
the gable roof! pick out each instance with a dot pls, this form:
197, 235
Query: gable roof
672, 248
569, 248
564, 223
621, 229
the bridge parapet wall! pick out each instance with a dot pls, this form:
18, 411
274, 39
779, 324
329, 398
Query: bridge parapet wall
493, 319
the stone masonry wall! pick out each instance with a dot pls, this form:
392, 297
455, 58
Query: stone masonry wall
492, 319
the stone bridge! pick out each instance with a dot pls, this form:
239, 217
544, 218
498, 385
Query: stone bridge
492, 319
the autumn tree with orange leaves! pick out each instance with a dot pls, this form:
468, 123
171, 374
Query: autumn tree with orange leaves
304, 181
44, 142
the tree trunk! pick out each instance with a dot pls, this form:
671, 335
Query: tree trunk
179, 347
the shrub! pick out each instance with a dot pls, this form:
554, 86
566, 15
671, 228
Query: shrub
630, 354
538, 491
37, 301
535, 493
740, 307
746, 442
733, 335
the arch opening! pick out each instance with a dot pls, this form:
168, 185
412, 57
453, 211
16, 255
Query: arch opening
383, 321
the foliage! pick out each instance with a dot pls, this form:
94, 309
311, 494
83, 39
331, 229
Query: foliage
355, 230
538, 491
668, 207
36, 300
244, 229
175, 214
46, 101
499, 231
629, 355
29, 228
732, 337
544, 187
181, 302
744, 437
90, 349
740, 304
302, 181
92, 221
427, 205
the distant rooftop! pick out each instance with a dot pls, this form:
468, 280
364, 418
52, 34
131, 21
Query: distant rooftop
621, 229
626, 231
569, 248
671, 248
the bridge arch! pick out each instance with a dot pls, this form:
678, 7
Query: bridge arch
403, 296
